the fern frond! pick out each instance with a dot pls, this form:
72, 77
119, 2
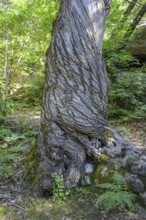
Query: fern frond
118, 178
107, 201
116, 196
120, 181
17, 149
110, 186
107, 186
8, 157
126, 198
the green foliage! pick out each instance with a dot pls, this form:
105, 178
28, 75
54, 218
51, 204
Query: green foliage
123, 130
127, 96
6, 104
127, 87
82, 190
7, 155
3, 211
6, 107
32, 94
116, 195
59, 192
26, 46
115, 30
12, 148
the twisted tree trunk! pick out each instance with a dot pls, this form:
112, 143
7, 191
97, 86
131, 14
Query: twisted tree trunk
75, 94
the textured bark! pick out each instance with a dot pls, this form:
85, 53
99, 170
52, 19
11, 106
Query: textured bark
75, 93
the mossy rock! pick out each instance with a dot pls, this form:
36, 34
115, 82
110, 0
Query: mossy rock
104, 172
108, 134
104, 159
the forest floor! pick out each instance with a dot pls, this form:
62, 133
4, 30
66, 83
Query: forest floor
16, 203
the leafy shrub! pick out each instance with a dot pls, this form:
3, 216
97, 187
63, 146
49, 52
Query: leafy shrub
116, 195
127, 96
59, 192
32, 95
119, 61
123, 130
12, 145
6, 104
33, 92
6, 107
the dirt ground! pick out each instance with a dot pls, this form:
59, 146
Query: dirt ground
135, 132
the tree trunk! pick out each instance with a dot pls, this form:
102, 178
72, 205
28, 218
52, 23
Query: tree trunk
6, 68
129, 9
136, 21
75, 94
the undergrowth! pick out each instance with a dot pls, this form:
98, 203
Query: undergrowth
116, 195
127, 96
59, 192
14, 144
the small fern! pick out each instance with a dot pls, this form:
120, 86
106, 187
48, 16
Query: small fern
11, 150
116, 195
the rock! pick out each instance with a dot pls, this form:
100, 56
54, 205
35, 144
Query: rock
113, 152
104, 172
129, 159
143, 196
141, 211
111, 142
89, 168
86, 181
139, 168
116, 146
134, 154
135, 183
143, 158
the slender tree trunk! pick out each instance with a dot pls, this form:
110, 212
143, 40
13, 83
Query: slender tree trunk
136, 21
129, 9
6, 68
75, 94
117, 29
132, 27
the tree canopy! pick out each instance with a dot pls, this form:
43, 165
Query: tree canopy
26, 29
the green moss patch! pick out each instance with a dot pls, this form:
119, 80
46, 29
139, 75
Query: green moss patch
104, 172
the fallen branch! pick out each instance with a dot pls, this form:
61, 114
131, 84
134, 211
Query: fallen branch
17, 206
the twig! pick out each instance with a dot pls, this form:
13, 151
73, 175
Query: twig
18, 206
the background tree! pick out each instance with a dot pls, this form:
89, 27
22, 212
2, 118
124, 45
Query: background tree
125, 60
29, 28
